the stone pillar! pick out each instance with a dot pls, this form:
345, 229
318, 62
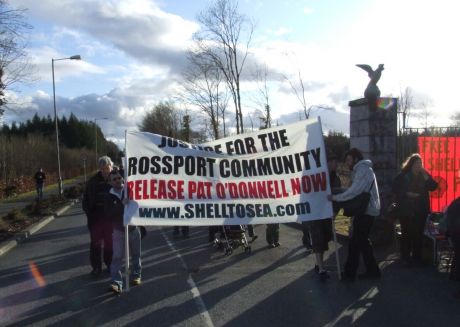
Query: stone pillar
374, 133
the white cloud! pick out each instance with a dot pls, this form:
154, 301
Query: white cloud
282, 31
307, 10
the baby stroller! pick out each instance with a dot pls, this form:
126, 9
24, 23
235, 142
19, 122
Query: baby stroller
230, 237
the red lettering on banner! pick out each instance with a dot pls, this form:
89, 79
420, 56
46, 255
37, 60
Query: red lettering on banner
144, 189
199, 190
441, 158
305, 184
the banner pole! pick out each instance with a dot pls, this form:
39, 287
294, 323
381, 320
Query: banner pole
126, 226
334, 234
127, 258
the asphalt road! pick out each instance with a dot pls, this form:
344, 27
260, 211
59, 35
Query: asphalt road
186, 282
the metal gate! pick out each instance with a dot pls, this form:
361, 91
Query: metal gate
439, 148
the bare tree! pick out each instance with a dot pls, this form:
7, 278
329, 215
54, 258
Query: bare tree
203, 87
220, 40
299, 91
405, 104
14, 64
262, 97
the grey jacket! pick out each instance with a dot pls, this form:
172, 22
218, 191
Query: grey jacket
362, 177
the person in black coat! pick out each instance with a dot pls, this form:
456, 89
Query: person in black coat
100, 228
453, 231
39, 182
411, 188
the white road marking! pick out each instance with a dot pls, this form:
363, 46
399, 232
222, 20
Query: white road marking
193, 289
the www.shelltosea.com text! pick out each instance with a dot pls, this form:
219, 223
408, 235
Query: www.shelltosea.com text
225, 210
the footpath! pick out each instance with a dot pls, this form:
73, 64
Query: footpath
21, 201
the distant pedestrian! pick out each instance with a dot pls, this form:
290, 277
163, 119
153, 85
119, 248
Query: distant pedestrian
39, 182
411, 188
99, 227
114, 205
363, 180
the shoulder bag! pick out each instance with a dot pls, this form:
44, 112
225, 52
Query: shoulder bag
357, 205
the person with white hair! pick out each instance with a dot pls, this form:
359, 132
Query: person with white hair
100, 228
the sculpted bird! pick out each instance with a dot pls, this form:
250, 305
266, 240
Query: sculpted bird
372, 92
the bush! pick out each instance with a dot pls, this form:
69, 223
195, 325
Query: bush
10, 190
14, 215
74, 192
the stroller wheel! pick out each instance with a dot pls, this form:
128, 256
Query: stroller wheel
228, 251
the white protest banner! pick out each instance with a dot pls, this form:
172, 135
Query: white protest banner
275, 175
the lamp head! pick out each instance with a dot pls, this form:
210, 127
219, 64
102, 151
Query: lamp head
76, 57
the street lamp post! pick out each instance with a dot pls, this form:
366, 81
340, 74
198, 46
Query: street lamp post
76, 57
95, 129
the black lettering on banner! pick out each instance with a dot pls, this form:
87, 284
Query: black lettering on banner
178, 162
316, 156
132, 166
274, 140
155, 166
223, 166
143, 165
167, 169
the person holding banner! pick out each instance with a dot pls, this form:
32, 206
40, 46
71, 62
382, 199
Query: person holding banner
114, 204
321, 230
411, 188
363, 179
100, 229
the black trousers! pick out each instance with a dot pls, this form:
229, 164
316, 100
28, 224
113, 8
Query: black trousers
455, 268
101, 244
412, 229
250, 231
185, 230
359, 244
272, 233
306, 239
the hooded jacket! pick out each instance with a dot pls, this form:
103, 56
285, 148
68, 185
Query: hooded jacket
362, 177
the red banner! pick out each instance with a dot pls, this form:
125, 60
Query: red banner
441, 158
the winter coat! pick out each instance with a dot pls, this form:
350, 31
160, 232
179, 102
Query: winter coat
114, 209
362, 177
453, 218
93, 200
405, 206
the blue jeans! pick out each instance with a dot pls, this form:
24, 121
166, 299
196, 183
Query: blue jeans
118, 238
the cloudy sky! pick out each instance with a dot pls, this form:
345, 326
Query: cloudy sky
133, 53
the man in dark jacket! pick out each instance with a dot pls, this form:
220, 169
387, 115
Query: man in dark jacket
99, 227
39, 182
